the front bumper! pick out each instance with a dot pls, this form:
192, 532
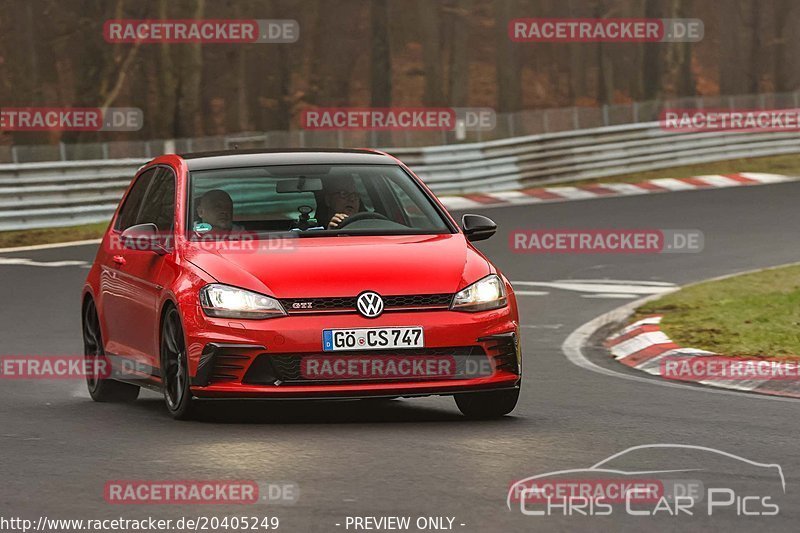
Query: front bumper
260, 358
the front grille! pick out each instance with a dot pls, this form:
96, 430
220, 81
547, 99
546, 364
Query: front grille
347, 304
287, 368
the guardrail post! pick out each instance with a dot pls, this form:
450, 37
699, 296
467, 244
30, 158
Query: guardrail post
14, 158
62, 151
605, 115
105, 150
575, 118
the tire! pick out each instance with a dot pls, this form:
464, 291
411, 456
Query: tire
174, 367
485, 405
101, 390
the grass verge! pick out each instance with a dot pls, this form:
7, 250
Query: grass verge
27, 237
751, 315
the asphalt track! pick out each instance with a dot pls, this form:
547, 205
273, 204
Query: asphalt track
418, 457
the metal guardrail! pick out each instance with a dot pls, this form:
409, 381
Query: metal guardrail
511, 124
36, 195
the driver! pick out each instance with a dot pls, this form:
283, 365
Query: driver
341, 198
216, 208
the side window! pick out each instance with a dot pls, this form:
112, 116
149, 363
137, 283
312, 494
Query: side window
133, 203
410, 208
158, 206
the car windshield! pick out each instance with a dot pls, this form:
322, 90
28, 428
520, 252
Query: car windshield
311, 200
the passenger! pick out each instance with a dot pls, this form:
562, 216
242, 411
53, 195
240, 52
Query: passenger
216, 209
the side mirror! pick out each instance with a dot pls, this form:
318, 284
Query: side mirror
478, 227
143, 237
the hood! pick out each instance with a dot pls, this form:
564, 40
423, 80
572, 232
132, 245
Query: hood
347, 265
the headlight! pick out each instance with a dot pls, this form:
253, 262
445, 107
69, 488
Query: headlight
485, 294
224, 301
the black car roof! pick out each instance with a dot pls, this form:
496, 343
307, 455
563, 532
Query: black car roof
304, 156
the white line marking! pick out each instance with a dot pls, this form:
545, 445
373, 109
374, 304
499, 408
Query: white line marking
620, 281
719, 181
571, 192
673, 184
509, 196
765, 178
639, 343
600, 286
626, 188
651, 320
531, 293
609, 295
50, 245
30, 262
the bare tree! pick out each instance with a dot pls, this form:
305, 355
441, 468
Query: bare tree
605, 64
509, 97
189, 121
429, 24
461, 15
733, 46
336, 45
785, 45
381, 59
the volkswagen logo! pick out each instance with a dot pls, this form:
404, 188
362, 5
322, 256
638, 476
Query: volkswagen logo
370, 304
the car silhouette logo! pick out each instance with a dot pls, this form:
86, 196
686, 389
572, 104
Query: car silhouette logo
370, 304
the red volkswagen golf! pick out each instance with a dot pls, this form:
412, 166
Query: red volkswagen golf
296, 274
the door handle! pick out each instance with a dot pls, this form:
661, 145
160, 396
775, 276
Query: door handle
118, 259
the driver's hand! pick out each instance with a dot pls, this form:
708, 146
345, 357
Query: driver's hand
336, 220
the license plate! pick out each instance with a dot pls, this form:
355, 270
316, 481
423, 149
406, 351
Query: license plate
372, 338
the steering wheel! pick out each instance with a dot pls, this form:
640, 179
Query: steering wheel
364, 215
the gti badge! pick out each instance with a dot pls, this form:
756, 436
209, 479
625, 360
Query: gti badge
370, 304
